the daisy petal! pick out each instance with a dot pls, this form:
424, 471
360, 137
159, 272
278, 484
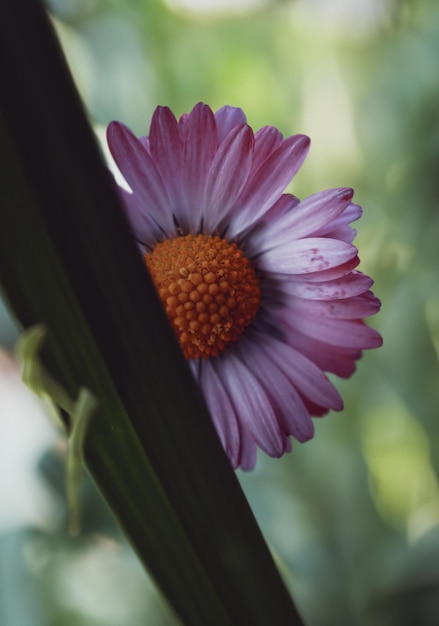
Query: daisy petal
221, 410
266, 184
200, 144
255, 243
247, 460
227, 118
307, 256
286, 203
292, 415
227, 175
307, 377
253, 407
267, 139
333, 273
351, 285
353, 308
145, 143
166, 148
309, 215
141, 174
145, 229
339, 361
339, 228
343, 333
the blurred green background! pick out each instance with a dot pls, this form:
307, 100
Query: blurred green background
352, 517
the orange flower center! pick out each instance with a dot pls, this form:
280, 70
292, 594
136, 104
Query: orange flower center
208, 288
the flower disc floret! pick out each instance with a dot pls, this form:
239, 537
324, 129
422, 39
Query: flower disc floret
208, 288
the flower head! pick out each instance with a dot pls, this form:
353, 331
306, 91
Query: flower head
260, 288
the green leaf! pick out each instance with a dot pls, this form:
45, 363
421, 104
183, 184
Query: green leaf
68, 260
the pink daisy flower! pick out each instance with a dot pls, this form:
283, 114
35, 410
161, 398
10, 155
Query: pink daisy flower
260, 288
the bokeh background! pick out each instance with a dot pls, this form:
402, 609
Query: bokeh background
352, 517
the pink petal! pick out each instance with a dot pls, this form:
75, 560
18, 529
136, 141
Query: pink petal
307, 377
339, 228
333, 273
227, 175
307, 256
267, 139
357, 307
182, 121
254, 242
253, 407
237, 442
343, 333
309, 215
291, 413
141, 174
286, 203
200, 144
227, 118
166, 148
314, 409
145, 229
248, 451
221, 409
145, 143
266, 184
353, 284
329, 358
